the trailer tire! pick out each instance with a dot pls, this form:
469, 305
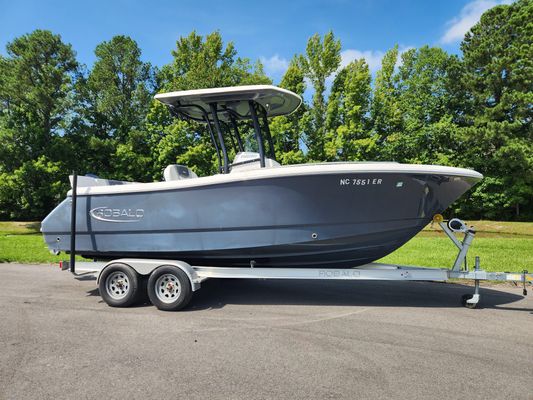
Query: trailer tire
169, 288
119, 285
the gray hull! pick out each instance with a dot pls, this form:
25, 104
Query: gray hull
330, 220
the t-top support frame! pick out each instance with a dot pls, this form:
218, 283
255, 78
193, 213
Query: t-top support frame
267, 132
214, 112
257, 129
211, 118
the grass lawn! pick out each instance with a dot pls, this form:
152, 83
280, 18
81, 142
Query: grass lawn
28, 248
502, 246
22, 242
507, 254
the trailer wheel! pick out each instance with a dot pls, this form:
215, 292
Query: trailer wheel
119, 285
169, 288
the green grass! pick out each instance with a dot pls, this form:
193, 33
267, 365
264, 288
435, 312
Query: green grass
496, 254
27, 248
502, 246
22, 242
494, 228
19, 228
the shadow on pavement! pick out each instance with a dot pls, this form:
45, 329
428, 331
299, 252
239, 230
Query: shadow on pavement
85, 277
216, 293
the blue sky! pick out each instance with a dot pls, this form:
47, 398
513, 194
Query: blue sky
271, 31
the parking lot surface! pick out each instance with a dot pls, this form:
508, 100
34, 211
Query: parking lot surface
258, 339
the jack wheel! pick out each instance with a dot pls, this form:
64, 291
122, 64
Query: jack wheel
465, 303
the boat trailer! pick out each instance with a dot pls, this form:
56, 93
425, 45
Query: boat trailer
170, 283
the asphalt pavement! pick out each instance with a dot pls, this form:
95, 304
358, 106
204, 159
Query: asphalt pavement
259, 339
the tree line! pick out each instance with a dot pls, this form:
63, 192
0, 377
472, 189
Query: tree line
422, 106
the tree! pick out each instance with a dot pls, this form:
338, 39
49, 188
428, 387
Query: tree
348, 136
423, 99
37, 82
119, 88
322, 58
37, 86
32, 189
112, 105
498, 137
385, 111
287, 130
132, 159
204, 63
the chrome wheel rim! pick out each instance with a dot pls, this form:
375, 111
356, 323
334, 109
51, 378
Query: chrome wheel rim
167, 288
117, 285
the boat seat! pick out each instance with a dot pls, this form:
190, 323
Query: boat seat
176, 172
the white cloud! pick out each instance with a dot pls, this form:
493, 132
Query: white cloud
275, 65
468, 17
372, 57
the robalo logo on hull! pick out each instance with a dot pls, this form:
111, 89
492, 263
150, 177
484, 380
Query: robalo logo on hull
117, 214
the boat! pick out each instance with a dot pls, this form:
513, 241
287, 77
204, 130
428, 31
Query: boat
255, 212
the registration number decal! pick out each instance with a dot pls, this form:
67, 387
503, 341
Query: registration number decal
360, 181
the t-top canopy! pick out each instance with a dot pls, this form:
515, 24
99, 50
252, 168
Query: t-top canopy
196, 104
